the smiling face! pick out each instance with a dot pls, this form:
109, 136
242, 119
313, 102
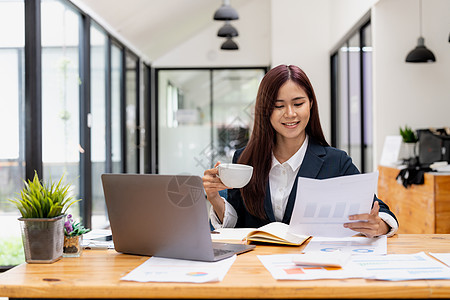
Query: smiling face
291, 113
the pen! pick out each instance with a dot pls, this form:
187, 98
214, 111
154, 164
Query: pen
215, 232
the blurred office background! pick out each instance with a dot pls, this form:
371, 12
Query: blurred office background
142, 86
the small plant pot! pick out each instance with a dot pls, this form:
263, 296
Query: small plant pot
72, 246
408, 150
42, 239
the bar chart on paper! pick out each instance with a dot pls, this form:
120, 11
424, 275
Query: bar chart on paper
322, 206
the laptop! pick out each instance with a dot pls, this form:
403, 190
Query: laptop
162, 215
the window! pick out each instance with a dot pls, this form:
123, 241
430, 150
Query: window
12, 120
351, 86
98, 124
116, 108
55, 74
132, 113
60, 94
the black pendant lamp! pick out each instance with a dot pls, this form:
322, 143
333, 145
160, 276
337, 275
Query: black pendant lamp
229, 44
227, 30
226, 12
420, 54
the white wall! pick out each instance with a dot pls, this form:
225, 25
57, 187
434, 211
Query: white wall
203, 49
344, 14
301, 36
304, 32
405, 93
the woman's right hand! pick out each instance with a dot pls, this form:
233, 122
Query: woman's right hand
213, 185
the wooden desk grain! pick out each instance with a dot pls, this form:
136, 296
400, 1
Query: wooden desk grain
97, 275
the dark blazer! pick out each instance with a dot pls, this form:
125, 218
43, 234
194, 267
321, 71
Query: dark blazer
320, 162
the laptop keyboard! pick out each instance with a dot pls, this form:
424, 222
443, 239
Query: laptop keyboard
218, 252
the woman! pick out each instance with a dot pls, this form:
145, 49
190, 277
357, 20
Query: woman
287, 142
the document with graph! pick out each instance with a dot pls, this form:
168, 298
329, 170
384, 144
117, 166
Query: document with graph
322, 206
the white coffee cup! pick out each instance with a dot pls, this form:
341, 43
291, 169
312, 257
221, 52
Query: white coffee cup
235, 175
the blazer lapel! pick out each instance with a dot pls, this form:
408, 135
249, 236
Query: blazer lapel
268, 204
310, 167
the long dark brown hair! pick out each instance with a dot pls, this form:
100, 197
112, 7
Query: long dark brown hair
259, 149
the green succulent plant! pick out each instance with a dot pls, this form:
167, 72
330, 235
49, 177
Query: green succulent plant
408, 135
40, 199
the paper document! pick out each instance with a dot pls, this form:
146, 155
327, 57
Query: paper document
92, 239
158, 269
352, 245
443, 257
390, 155
322, 206
402, 266
391, 267
283, 267
237, 234
326, 259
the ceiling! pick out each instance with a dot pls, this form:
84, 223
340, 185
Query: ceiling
153, 27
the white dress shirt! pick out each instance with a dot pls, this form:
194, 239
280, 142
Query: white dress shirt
281, 180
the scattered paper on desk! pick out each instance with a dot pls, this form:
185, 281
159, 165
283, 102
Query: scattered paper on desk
158, 269
237, 234
283, 267
402, 266
443, 257
352, 245
336, 259
324, 205
89, 242
95, 233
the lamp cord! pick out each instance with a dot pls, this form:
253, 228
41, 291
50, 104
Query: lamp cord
420, 17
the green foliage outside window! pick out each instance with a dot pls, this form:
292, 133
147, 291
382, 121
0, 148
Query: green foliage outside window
11, 251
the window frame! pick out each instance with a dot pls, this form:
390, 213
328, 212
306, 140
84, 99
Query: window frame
336, 101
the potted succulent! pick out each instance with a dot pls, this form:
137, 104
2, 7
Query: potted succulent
43, 206
73, 237
408, 135
409, 139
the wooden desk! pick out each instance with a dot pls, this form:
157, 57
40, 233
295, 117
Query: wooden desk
421, 208
97, 275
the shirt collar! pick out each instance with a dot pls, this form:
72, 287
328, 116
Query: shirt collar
296, 160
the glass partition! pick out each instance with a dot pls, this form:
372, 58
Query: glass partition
184, 114
203, 116
234, 96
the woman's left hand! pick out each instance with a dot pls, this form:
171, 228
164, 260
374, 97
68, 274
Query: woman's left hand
371, 225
